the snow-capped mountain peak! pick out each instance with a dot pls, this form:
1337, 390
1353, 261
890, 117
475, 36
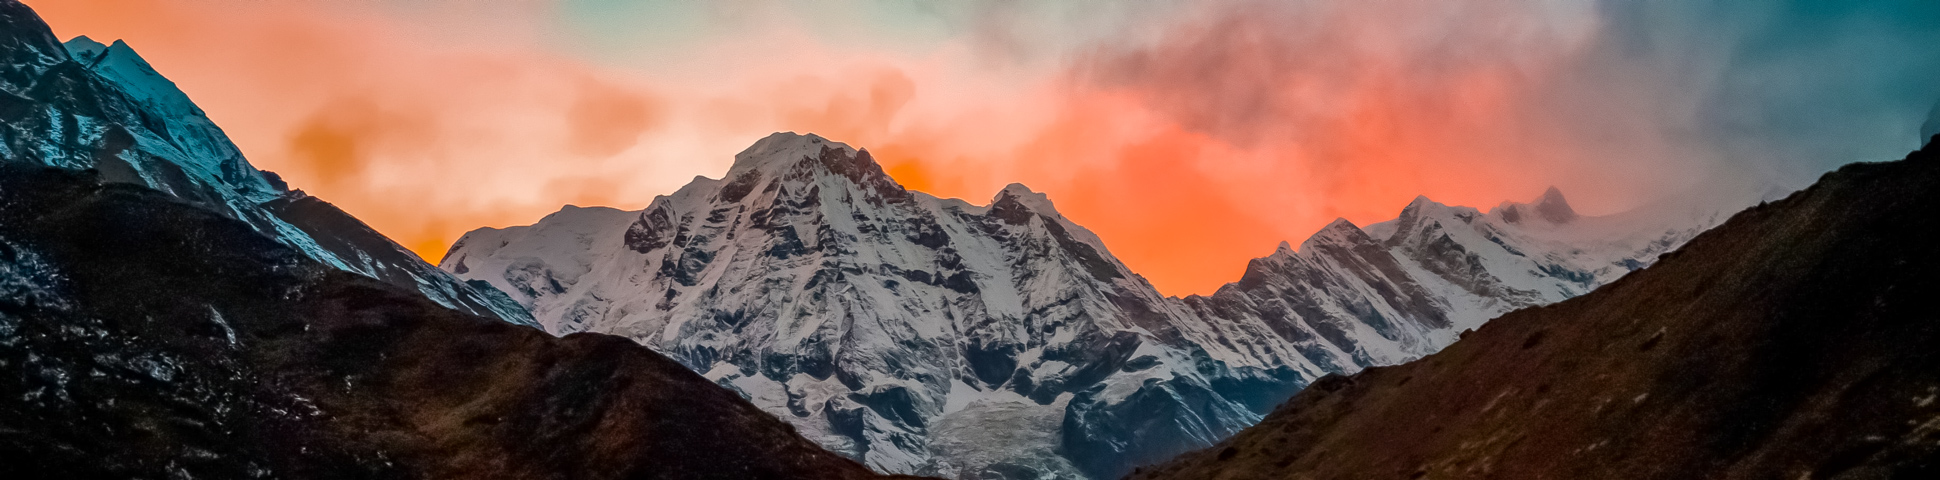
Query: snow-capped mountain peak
1554, 208
119, 61
1024, 196
86, 50
936, 336
1550, 207
782, 149
1338, 232
84, 105
205, 147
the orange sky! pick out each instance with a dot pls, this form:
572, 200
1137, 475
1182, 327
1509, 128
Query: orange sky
1190, 142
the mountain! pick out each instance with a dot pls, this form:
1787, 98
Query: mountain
84, 105
143, 336
869, 315
935, 336
1796, 340
167, 311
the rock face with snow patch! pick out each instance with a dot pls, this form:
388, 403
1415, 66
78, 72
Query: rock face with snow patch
85, 105
935, 336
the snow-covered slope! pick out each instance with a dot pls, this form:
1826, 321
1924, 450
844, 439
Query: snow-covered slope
1404, 288
872, 317
85, 105
935, 336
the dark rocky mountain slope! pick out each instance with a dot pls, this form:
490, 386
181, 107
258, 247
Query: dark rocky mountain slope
1798, 340
142, 336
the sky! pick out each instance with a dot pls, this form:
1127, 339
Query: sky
1190, 136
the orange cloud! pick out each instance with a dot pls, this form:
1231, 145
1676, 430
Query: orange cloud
1241, 127
1197, 141
406, 122
606, 120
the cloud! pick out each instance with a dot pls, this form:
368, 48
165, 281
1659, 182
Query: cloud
1241, 124
423, 123
1192, 136
606, 120
1805, 85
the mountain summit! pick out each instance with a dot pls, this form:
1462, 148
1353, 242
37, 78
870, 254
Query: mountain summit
1554, 208
84, 105
1550, 207
168, 311
872, 317
935, 336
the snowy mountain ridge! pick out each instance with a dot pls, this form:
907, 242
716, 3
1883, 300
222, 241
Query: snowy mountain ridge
83, 105
934, 336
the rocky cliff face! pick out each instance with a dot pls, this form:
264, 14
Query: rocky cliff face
932, 335
1794, 341
85, 105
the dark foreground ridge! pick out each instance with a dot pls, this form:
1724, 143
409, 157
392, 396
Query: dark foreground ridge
144, 337
1801, 339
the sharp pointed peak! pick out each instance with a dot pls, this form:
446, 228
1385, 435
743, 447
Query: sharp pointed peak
1340, 228
1553, 207
1550, 194
85, 50
85, 41
1284, 248
120, 48
1421, 201
85, 46
1416, 206
1338, 232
